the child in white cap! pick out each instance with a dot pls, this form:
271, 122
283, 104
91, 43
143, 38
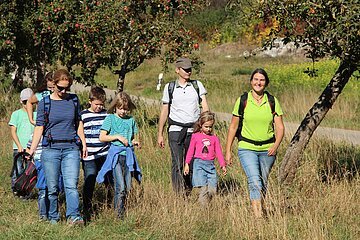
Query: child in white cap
21, 129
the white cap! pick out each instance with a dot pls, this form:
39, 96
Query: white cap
26, 94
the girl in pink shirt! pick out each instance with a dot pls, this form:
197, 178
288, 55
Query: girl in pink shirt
204, 148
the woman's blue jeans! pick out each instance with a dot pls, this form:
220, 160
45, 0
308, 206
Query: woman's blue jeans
257, 166
122, 179
67, 162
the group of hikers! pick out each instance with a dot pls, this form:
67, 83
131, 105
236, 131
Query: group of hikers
59, 136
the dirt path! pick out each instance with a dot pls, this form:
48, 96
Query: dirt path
335, 134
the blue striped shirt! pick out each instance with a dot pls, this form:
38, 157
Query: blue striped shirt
92, 124
61, 125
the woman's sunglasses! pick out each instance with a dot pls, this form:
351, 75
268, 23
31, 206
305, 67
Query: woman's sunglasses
62, 88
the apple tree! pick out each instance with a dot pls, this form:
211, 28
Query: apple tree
91, 34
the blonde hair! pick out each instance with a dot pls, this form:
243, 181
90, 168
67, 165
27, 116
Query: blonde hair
121, 100
204, 117
62, 75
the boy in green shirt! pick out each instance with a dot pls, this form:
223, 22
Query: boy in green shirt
21, 129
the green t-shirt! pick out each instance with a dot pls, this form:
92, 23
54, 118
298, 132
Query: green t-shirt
257, 123
116, 125
24, 128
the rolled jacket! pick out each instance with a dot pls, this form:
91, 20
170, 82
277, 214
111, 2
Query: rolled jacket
111, 160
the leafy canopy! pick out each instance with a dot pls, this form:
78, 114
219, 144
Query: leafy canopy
92, 33
329, 28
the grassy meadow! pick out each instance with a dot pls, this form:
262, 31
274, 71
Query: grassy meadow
322, 203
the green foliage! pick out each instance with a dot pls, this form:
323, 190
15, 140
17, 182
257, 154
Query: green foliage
204, 23
329, 28
92, 34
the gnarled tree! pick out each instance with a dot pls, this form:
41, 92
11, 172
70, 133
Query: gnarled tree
329, 28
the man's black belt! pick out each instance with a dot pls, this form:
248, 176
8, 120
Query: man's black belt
183, 131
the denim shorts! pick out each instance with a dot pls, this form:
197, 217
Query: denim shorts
204, 173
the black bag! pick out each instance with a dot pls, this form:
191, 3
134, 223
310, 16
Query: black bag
26, 179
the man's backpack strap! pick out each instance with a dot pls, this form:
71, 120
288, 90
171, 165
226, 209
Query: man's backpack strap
196, 86
171, 89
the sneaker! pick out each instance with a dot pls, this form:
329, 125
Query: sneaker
75, 221
43, 218
53, 222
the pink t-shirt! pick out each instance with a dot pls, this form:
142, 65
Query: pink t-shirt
205, 147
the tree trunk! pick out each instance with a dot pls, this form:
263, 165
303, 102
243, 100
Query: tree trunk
312, 120
121, 79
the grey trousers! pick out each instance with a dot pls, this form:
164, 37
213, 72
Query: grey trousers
180, 183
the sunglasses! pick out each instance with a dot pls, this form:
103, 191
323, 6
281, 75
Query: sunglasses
188, 70
62, 88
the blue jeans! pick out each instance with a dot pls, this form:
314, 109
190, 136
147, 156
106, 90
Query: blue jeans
122, 179
257, 166
43, 197
67, 162
43, 203
91, 169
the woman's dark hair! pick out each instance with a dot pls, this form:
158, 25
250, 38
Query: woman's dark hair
62, 75
263, 72
43, 85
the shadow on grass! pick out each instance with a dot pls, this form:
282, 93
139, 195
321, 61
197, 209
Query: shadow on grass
228, 186
339, 162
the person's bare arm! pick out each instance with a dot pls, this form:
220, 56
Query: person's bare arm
15, 138
230, 138
279, 134
38, 131
162, 120
29, 108
81, 135
104, 137
204, 104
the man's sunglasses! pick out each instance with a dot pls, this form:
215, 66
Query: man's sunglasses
188, 70
62, 88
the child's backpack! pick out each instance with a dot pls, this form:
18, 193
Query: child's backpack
242, 105
26, 179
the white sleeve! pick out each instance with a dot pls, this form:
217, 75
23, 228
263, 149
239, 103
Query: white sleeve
202, 90
166, 99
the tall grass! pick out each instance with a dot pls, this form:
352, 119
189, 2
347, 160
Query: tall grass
313, 207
